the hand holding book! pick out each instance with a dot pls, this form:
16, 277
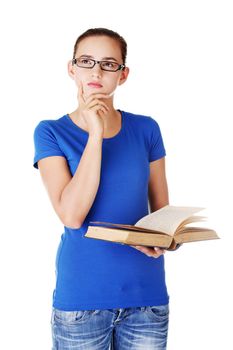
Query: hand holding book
153, 252
166, 228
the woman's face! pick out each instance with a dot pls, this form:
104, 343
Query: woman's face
96, 80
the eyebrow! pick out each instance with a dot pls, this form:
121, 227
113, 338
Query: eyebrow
103, 58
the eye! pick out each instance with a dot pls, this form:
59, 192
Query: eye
107, 64
85, 61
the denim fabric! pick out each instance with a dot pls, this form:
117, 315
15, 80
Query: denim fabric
135, 328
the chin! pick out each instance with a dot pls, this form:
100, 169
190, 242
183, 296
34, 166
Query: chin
91, 90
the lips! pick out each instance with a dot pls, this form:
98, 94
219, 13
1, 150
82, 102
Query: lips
94, 84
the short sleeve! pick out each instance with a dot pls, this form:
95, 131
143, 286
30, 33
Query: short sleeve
45, 143
156, 148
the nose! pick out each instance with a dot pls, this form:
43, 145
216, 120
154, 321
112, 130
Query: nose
96, 70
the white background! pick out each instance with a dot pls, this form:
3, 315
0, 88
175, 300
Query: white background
180, 55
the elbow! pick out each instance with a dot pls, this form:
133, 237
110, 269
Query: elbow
75, 225
71, 221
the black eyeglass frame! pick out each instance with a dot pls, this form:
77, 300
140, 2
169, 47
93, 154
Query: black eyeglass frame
120, 66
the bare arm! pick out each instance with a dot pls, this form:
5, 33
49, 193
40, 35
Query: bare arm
158, 198
158, 189
72, 197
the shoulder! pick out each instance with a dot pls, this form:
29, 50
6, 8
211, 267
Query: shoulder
47, 140
49, 125
143, 122
146, 129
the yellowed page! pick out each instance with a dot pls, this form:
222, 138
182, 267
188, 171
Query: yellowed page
167, 219
192, 234
190, 220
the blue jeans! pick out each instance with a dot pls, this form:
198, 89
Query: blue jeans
134, 328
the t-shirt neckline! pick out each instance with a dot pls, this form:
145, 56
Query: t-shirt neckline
104, 138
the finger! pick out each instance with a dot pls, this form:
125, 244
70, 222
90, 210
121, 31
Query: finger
80, 93
159, 250
99, 108
154, 255
95, 103
145, 250
154, 252
101, 112
96, 96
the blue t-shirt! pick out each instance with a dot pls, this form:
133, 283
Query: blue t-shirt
96, 274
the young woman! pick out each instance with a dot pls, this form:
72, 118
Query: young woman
99, 163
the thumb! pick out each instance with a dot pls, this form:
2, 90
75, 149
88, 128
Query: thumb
159, 250
80, 93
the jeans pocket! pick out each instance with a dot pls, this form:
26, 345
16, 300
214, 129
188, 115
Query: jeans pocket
160, 312
69, 317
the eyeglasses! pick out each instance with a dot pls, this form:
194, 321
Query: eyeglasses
104, 65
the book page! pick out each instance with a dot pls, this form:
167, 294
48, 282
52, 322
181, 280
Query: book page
192, 234
190, 220
167, 219
124, 226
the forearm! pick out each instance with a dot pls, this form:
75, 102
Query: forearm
158, 188
78, 196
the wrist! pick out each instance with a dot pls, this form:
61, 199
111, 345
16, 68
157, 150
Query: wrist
95, 138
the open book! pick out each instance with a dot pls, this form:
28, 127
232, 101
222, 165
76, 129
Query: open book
165, 228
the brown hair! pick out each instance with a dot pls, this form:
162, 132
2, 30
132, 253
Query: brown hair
103, 32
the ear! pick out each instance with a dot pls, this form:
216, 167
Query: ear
124, 75
71, 69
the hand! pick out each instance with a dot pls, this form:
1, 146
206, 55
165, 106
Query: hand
153, 252
92, 109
